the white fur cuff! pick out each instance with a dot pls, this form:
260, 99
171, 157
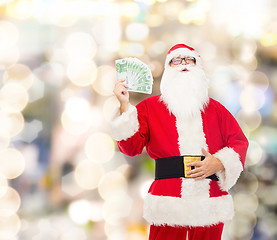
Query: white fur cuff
232, 168
125, 125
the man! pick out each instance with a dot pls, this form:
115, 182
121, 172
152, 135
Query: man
189, 198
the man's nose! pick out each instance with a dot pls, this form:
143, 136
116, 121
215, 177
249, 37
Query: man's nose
183, 62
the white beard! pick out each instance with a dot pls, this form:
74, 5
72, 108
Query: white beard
184, 93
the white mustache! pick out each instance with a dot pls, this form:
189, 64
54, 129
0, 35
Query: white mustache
182, 67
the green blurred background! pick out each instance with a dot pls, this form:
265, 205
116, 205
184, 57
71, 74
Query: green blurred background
61, 174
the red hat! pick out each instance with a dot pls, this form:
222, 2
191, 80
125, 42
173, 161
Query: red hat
180, 46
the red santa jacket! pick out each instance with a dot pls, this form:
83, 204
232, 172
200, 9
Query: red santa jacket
183, 201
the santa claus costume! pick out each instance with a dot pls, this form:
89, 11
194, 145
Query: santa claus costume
181, 122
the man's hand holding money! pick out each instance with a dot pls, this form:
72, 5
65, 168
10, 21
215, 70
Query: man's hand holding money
120, 91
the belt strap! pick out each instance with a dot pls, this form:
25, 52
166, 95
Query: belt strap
174, 167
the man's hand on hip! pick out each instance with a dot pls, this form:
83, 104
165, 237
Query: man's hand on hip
205, 168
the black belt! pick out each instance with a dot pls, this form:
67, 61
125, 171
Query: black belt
175, 167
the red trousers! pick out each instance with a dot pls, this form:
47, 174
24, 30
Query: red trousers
186, 233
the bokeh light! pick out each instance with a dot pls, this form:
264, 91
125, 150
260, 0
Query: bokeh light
130, 9
132, 49
157, 48
255, 153
144, 188
108, 108
9, 56
112, 185
12, 124
77, 116
20, 9
269, 39
19, 73
9, 202
137, 31
246, 203
77, 108
82, 72
193, 14
80, 45
9, 34
252, 119
13, 97
104, 83
100, 147
12, 163
116, 208
148, 2
250, 183
4, 137
9, 226
3, 185
80, 211
73, 233
88, 174
155, 20
96, 211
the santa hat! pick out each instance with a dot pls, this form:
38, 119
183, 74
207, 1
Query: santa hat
182, 50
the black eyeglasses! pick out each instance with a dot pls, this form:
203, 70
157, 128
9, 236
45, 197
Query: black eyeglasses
187, 59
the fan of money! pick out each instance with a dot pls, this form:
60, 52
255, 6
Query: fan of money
137, 74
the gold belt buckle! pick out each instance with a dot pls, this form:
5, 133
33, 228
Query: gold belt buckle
189, 159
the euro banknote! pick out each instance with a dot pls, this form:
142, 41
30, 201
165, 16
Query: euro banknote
137, 74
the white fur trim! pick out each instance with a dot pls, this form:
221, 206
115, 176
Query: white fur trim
183, 52
191, 135
192, 188
189, 211
125, 125
232, 168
